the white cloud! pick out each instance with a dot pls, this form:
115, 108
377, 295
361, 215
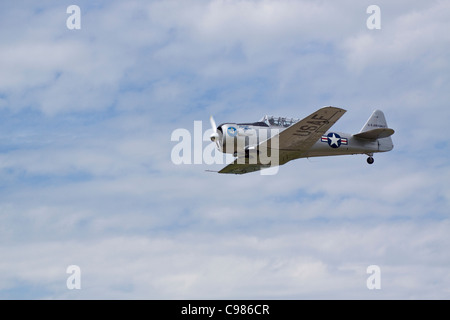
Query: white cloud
403, 39
312, 263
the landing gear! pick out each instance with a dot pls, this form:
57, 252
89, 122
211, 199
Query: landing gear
370, 160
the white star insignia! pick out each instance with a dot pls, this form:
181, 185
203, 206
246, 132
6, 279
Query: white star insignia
334, 140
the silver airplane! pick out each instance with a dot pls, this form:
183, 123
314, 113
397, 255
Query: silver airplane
274, 141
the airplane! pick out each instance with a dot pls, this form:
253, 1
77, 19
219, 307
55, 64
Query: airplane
285, 139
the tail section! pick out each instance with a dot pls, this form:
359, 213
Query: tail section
376, 128
376, 120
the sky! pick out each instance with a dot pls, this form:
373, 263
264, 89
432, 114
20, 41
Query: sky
87, 179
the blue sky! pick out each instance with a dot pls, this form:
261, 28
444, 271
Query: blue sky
86, 118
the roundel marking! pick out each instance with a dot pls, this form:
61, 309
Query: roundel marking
334, 140
232, 131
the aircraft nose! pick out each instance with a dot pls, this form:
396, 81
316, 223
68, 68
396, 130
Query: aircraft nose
214, 137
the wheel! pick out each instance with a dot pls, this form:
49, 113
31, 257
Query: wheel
370, 160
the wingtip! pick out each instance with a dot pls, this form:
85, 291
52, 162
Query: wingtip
335, 108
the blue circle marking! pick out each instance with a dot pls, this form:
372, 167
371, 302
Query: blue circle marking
232, 132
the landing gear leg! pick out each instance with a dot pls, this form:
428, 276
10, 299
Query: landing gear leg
370, 160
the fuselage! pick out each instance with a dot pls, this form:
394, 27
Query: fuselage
274, 141
241, 138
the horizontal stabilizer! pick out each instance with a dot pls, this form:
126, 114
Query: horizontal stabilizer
374, 134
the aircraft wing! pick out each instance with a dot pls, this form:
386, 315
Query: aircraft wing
303, 134
238, 168
298, 138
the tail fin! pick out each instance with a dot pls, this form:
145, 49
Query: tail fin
376, 128
376, 120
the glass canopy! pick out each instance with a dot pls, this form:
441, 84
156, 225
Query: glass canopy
278, 121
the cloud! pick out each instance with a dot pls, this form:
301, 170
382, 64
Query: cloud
311, 263
402, 40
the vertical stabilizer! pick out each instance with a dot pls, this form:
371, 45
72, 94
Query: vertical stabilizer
376, 120
376, 127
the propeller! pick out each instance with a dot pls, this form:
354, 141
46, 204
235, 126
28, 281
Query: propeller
215, 135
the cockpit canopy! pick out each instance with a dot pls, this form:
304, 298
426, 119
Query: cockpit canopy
278, 121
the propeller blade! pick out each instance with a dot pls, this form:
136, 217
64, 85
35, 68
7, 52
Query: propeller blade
213, 124
215, 136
